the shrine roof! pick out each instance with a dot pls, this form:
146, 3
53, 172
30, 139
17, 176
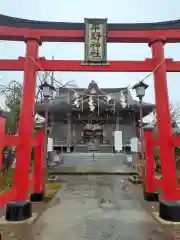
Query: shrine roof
3, 113
105, 90
32, 24
119, 96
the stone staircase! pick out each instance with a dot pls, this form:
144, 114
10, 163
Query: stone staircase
74, 159
81, 148
85, 148
95, 160
106, 149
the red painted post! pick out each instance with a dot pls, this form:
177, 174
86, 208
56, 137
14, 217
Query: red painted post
2, 132
150, 166
26, 122
168, 166
39, 178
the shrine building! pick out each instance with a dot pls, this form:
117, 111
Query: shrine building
85, 119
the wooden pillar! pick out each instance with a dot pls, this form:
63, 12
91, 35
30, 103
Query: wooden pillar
168, 165
69, 132
26, 122
39, 168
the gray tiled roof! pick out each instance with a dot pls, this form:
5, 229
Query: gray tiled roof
106, 90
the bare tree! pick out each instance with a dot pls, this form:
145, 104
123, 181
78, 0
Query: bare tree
175, 120
12, 94
175, 117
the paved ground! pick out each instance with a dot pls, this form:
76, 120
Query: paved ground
77, 213
93, 162
170, 231
124, 169
19, 231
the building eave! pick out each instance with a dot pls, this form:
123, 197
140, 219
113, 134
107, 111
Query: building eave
147, 108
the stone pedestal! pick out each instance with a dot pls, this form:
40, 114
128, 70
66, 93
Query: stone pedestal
169, 211
50, 157
134, 160
18, 211
69, 132
37, 197
151, 197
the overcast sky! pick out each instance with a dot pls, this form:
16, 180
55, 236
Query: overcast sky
117, 11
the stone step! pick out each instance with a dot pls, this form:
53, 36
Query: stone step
88, 148
95, 161
97, 154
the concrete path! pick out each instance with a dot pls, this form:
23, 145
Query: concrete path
97, 162
77, 213
124, 169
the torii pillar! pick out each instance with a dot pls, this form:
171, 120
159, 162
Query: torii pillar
20, 209
169, 206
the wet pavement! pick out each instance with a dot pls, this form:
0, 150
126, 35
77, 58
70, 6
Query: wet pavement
93, 162
91, 207
20, 231
124, 169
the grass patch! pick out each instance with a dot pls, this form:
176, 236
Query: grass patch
7, 180
55, 186
179, 180
50, 190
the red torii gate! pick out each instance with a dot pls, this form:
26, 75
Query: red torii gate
33, 33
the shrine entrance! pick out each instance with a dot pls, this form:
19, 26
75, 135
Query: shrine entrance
93, 133
95, 33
